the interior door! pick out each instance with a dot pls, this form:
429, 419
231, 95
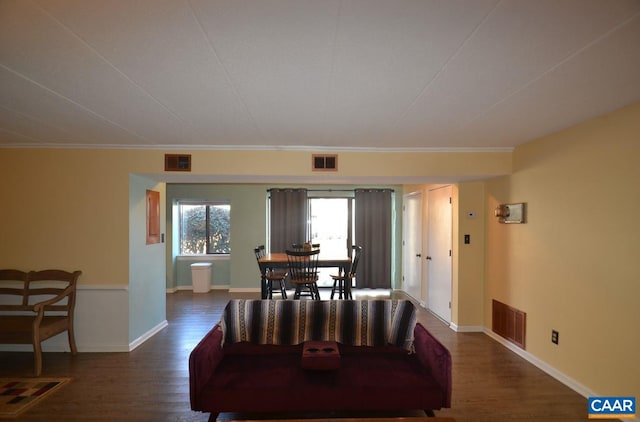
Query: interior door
439, 245
412, 246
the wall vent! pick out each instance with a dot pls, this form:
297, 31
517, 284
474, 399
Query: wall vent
177, 162
324, 162
509, 323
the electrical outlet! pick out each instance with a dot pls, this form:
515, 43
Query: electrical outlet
555, 336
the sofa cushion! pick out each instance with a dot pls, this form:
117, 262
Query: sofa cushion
350, 322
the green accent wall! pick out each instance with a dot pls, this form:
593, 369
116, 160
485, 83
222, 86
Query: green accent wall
248, 229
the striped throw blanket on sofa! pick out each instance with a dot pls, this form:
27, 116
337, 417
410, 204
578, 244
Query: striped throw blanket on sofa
350, 322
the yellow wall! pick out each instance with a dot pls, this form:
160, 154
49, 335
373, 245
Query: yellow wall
354, 164
467, 271
69, 208
469, 215
66, 209
573, 266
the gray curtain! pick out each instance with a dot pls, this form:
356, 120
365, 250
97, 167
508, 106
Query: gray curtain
288, 214
373, 233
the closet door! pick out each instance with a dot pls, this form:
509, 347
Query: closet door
439, 248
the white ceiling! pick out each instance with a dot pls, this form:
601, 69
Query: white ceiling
362, 74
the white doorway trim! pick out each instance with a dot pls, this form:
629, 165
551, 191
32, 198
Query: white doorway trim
412, 283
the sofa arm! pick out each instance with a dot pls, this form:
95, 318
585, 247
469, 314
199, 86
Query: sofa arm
435, 358
203, 361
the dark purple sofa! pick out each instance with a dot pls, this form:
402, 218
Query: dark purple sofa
393, 363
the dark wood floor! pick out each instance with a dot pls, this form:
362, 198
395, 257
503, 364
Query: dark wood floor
151, 383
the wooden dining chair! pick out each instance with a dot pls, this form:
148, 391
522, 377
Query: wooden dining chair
272, 277
342, 282
303, 272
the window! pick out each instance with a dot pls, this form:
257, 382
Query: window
331, 224
204, 228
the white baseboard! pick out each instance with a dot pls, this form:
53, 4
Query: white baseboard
146, 336
190, 288
219, 287
550, 370
244, 290
466, 328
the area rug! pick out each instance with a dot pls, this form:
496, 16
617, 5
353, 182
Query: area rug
19, 394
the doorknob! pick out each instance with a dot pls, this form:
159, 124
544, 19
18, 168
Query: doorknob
428, 258
418, 255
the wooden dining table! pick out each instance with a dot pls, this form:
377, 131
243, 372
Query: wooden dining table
280, 260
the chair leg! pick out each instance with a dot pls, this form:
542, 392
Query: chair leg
269, 289
339, 286
283, 289
72, 339
37, 356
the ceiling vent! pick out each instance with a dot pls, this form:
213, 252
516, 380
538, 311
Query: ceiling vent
324, 162
177, 162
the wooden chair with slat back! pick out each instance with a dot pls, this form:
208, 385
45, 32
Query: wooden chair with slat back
303, 272
271, 276
47, 305
342, 282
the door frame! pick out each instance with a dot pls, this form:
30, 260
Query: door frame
408, 257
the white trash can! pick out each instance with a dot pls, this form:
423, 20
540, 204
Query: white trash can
201, 277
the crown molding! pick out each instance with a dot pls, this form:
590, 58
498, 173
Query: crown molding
308, 148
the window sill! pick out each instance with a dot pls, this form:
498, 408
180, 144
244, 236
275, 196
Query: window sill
206, 258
